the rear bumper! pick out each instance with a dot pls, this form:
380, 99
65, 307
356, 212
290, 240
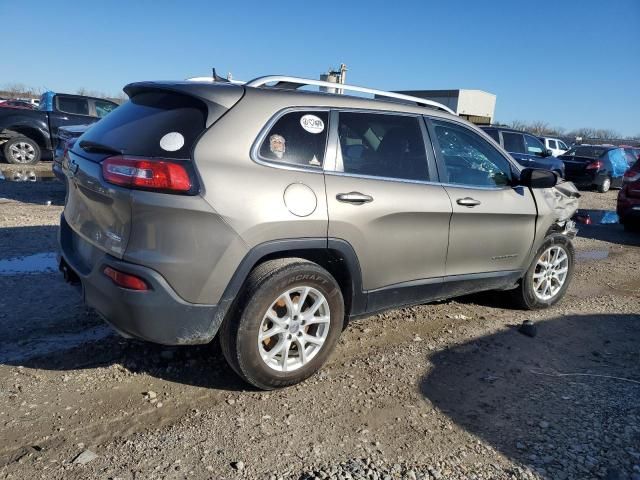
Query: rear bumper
158, 315
586, 179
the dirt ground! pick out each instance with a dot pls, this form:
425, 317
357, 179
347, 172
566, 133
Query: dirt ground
447, 390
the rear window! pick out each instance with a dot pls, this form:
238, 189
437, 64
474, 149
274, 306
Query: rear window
152, 124
73, 105
493, 134
588, 152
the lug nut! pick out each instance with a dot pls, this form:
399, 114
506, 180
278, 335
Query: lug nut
299, 334
289, 337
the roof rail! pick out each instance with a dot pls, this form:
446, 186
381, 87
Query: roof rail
297, 82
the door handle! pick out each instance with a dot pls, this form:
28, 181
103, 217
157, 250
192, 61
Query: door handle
468, 202
356, 198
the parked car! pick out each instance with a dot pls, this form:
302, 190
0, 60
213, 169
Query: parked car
66, 138
525, 148
12, 103
26, 134
628, 207
269, 216
595, 166
632, 154
557, 146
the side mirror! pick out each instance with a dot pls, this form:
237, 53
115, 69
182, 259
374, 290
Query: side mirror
547, 153
537, 178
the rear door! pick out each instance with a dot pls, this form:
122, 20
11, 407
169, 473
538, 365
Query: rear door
493, 224
383, 199
69, 110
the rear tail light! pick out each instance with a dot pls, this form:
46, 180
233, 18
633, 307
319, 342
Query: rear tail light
631, 176
594, 165
126, 280
147, 174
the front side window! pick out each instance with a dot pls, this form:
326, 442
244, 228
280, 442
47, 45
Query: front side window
103, 108
469, 159
382, 145
73, 105
297, 138
534, 146
513, 142
562, 145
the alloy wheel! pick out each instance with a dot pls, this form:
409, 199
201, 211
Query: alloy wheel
22, 152
294, 329
550, 273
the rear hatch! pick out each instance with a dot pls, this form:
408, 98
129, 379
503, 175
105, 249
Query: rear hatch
577, 159
576, 166
160, 124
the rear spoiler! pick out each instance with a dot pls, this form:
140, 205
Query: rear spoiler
218, 97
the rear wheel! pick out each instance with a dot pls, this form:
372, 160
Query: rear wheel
549, 275
291, 316
605, 185
21, 150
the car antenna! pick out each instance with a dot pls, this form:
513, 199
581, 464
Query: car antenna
217, 78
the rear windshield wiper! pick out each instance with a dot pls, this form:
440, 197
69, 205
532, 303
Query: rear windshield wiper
89, 146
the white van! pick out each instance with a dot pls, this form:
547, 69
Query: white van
557, 147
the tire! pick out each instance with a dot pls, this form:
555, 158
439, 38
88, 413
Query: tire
22, 151
605, 185
525, 295
266, 289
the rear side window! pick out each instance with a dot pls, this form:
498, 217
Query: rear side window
493, 134
297, 138
513, 142
382, 145
152, 124
552, 144
73, 105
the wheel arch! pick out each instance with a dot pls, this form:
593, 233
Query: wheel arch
32, 133
334, 255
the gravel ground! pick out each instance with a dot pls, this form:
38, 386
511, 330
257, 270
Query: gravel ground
449, 390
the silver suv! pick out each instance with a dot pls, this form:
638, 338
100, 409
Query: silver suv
269, 216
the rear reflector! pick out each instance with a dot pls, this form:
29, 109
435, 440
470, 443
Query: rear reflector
594, 166
125, 280
146, 174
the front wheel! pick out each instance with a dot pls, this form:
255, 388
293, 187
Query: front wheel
22, 150
549, 275
291, 316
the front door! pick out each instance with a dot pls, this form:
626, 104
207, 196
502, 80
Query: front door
381, 200
493, 224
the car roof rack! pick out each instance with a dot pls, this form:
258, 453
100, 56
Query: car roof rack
286, 82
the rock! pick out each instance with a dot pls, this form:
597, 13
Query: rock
151, 394
528, 328
85, 457
238, 465
544, 424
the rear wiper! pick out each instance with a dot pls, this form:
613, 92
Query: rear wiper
89, 146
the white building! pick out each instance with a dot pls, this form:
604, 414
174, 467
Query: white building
477, 106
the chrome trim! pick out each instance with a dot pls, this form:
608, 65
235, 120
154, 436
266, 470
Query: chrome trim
255, 148
262, 81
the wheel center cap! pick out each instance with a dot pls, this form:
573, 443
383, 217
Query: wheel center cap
295, 326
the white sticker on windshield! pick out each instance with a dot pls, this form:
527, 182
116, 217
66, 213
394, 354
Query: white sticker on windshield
172, 141
312, 124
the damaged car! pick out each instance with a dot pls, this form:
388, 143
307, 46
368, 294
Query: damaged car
267, 216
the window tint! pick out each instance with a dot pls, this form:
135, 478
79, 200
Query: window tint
513, 142
552, 144
493, 134
382, 145
74, 105
534, 146
103, 108
469, 159
138, 126
297, 138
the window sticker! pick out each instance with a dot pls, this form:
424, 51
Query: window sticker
172, 141
312, 124
277, 145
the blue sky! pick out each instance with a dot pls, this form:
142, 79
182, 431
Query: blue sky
570, 63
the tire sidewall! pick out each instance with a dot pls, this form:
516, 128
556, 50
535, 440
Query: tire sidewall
531, 300
605, 186
13, 141
249, 359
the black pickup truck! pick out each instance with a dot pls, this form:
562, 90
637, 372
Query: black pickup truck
25, 135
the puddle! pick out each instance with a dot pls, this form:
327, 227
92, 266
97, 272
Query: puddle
37, 347
27, 175
38, 263
596, 217
592, 255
